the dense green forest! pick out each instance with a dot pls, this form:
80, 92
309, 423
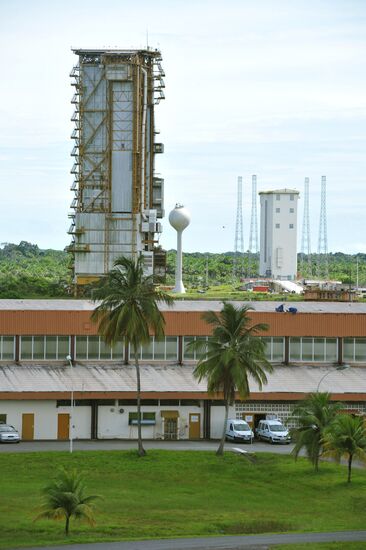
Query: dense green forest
26, 271
29, 272
201, 269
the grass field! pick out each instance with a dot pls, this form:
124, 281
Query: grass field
180, 494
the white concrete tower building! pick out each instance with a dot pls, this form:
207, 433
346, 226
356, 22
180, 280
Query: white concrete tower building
278, 234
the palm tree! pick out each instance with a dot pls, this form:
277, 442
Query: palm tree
346, 437
314, 416
231, 355
128, 311
65, 498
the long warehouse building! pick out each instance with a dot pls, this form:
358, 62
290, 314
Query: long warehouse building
36, 380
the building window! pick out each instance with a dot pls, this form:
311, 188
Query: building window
278, 197
292, 210
354, 350
291, 226
189, 354
147, 418
7, 347
278, 210
292, 197
93, 347
2, 418
44, 347
165, 349
275, 348
277, 225
313, 350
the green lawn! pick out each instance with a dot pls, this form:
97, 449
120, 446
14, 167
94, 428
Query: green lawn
180, 494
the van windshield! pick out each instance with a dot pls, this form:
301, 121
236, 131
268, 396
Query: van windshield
277, 428
242, 427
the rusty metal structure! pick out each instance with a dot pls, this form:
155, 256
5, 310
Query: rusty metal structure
118, 196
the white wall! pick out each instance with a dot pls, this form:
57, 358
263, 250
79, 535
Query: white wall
113, 424
45, 417
81, 421
217, 420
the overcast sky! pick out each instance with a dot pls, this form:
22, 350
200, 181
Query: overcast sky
275, 88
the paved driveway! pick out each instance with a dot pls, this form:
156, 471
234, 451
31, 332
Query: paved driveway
118, 445
259, 542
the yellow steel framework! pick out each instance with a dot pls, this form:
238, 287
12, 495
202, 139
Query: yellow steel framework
95, 139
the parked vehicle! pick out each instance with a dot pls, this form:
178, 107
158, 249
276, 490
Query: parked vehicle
8, 434
273, 431
238, 430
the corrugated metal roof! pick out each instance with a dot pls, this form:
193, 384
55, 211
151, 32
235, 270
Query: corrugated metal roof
169, 378
187, 305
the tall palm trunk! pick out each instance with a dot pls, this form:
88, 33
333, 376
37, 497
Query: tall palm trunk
349, 468
141, 450
67, 524
220, 450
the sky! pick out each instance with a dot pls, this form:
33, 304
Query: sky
275, 88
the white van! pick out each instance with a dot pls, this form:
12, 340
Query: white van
273, 431
238, 430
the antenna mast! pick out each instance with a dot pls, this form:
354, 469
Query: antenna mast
306, 268
253, 234
322, 267
239, 237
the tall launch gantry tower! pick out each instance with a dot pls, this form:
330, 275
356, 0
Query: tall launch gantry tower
305, 265
118, 197
322, 263
239, 235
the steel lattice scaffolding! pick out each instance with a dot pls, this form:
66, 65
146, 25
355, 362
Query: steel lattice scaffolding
322, 260
118, 197
239, 235
253, 233
305, 262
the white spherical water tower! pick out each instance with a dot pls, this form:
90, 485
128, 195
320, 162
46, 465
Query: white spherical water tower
179, 218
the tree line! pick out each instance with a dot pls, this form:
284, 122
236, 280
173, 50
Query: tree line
26, 271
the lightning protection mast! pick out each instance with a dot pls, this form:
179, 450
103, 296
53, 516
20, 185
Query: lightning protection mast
239, 236
253, 234
306, 268
322, 264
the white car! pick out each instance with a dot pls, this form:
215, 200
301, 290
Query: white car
238, 430
273, 431
8, 434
